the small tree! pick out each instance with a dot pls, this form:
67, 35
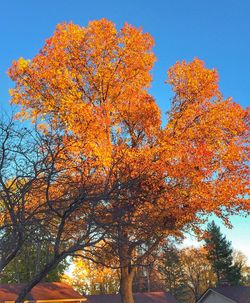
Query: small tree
172, 273
220, 254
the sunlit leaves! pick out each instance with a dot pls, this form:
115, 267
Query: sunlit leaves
92, 83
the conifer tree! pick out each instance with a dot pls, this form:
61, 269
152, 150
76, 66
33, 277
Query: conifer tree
220, 254
172, 272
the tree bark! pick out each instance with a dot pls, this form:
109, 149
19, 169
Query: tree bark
38, 278
5, 260
126, 281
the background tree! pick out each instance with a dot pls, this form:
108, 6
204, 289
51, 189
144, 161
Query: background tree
241, 261
187, 272
147, 278
198, 272
29, 261
92, 84
172, 275
220, 254
91, 278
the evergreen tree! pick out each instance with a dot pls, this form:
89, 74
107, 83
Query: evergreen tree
220, 254
172, 272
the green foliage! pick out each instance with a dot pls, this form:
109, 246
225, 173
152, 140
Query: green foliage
172, 272
220, 254
29, 262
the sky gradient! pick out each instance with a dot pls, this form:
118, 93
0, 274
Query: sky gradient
216, 31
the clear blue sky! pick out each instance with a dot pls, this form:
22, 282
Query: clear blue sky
217, 31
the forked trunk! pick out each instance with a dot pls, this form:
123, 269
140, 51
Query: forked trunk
126, 286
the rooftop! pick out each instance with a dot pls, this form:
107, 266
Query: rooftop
42, 292
150, 297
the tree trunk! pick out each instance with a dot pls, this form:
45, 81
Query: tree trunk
5, 260
126, 281
38, 278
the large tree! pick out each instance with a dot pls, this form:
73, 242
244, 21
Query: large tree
92, 84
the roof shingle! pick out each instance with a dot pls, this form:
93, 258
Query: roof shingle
239, 294
42, 291
150, 297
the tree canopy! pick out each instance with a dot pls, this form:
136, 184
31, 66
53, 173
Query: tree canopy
91, 83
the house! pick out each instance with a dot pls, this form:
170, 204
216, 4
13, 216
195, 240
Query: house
42, 293
149, 297
226, 294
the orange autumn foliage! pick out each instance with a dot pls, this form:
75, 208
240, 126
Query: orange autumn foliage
92, 83
89, 80
92, 279
138, 181
210, 140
